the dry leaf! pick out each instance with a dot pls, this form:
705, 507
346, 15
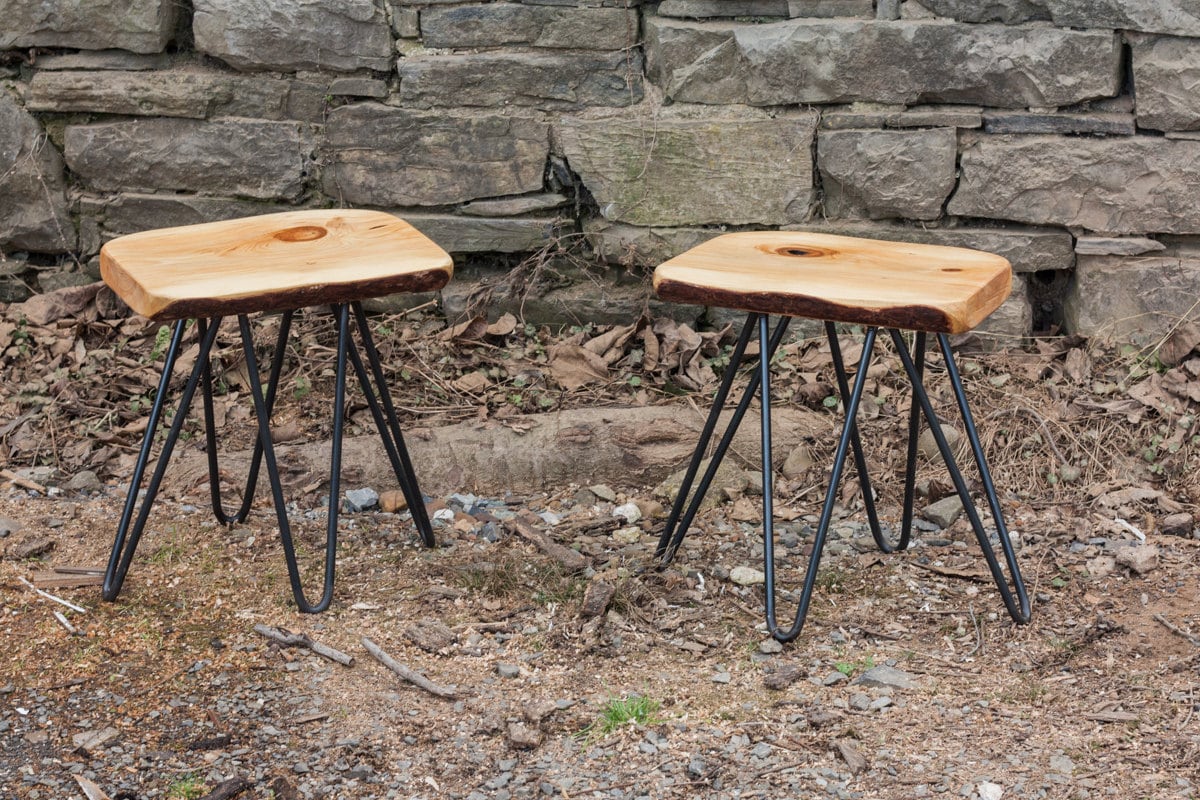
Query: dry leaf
503, 326
573, 367
472, 383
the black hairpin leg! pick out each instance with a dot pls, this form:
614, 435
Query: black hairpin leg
680, 520
388, 425
849, 434
914, 425
210, 428
129, 529
1018, 605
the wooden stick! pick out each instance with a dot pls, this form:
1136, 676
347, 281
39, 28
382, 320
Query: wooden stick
289, 639
49, 596
62, 620
412, 676
1175, 629
90, 790
24, 483
571, 559
228, 789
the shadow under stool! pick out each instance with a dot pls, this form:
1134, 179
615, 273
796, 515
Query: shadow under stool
272, 263
887, 287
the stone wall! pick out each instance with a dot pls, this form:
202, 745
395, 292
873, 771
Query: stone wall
1064, 134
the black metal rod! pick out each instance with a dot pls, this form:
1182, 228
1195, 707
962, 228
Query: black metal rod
388, 424
127, 538
835, 477
1017, 608
677, 527
914, 426
860, 461
210, 434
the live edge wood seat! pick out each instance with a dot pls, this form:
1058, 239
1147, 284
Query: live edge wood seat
276, 262
890, 286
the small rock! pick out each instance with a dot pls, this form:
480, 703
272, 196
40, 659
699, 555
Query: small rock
1062, 764
523, 737
628, 512
944, 511
596, 598
886, 676
31, 548
1140, 558
392, 500
697, 767
91, 741
747, 576
989, 791
430, 635
508, 670
797, 463
833, 678
84, 481
536, 711
630, 535
783, 676
822, 717
8, 526
361, 499
651, 509
722, 677
860, 701
1101, 566
1178, 524
927, 445
729, 481
770, 646
855, 761
603, 492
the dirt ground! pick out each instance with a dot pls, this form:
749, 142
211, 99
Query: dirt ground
170, 691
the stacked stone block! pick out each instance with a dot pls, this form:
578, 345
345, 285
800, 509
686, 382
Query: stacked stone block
1063, 134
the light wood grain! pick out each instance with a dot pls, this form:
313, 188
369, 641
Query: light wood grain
271, 262
840, 278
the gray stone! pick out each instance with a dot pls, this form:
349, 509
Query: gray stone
84, 481
887, 677
629, 245
1166, 80
33, 214
1179, 17
514, 206
1011, 323
944, 511
831, 8
508, 670
747, 576
251, 158
883, 174
361, 499
486, 234
8, 526
381, 155
1180, 524
132, 212
1127, 185
359, 87
289, 35
860, 115
93, 741
800, 61
103, 60
1103, 123
499, 24
936, 117
1027, 249
887, 9
1140, 558
549, 81
700, 9
143, 26
1133, 298
192, 93
1116, 246
675, 171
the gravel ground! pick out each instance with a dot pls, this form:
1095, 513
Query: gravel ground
909, 680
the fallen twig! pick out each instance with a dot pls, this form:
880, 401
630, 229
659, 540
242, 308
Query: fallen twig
62, 620
228, 789
90, 790
571, 559
412, 676
289, 639
1175, 629
24, 483
49, 596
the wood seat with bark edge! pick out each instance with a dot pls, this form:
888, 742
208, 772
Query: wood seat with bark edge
271, 262
841, 279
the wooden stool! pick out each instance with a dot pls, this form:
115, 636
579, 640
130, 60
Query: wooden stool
924, 288
277, 262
